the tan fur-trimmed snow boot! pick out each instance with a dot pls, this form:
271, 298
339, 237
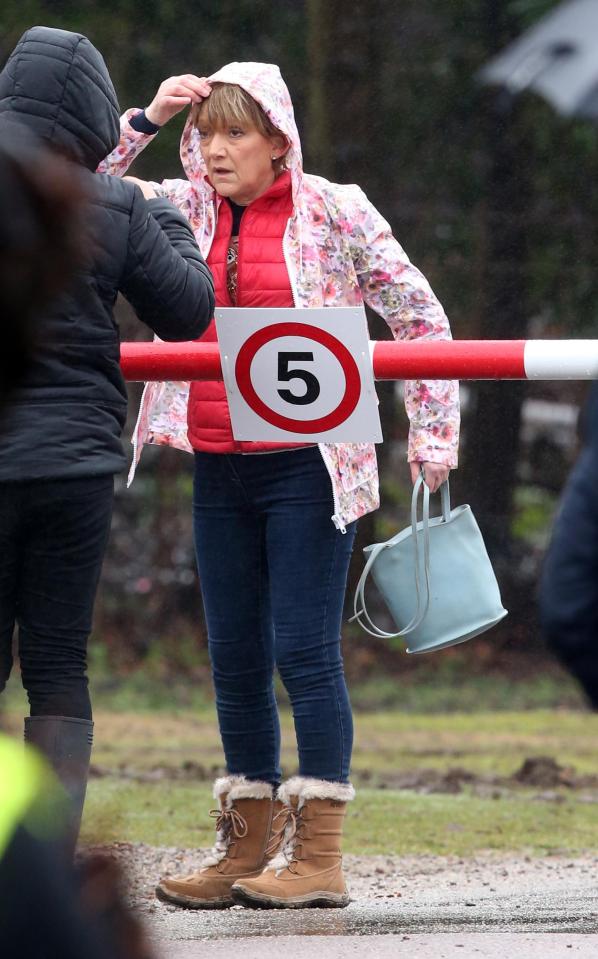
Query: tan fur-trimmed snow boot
307, 870
243, 833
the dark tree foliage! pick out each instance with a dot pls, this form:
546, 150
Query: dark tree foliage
492, 199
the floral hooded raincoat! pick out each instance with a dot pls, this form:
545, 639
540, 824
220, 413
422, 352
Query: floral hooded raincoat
339, 251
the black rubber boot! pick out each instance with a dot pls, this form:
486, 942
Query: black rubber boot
66, 744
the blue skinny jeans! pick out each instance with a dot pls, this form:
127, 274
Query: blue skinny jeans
273, 571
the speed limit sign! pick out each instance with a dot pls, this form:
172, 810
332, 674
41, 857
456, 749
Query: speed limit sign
299, 375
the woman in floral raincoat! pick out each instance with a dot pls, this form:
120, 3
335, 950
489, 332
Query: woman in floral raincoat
274, 532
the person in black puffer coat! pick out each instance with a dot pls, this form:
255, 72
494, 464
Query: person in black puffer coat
40, 247
60, 432
568, 593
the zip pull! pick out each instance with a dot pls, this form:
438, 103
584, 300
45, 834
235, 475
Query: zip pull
339, 523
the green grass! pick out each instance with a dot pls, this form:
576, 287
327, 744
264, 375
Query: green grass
157, 765
485, 743
447, 690
380, 821
403, 823
456, 691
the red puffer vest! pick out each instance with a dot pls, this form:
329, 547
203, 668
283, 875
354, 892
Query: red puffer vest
262, 280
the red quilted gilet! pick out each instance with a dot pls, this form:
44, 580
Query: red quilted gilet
262, 280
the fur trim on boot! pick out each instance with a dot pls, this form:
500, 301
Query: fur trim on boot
238, 787
243, 832
307, 869
305, 788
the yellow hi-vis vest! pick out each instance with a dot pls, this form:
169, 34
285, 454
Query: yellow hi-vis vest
25, 782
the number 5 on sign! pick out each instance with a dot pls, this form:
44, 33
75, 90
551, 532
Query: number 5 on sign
299, 375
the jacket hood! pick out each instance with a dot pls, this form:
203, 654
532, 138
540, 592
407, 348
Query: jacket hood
57, 84
262, 81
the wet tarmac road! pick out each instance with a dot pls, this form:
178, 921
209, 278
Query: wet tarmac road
482, 925
432, 946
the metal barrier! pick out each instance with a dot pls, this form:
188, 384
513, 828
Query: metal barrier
417, 359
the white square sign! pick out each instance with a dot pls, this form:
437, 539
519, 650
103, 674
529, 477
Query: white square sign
299, 375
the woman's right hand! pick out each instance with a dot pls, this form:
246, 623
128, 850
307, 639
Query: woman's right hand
174, 95
145, 187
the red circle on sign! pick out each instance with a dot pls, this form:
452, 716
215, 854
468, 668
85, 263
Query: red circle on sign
337, 416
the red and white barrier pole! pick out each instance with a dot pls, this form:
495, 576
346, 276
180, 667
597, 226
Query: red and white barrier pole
431, 359
450, 359
170, 361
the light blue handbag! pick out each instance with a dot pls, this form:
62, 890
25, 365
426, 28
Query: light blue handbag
435, 576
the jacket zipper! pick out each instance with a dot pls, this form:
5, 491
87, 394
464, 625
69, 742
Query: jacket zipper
211, 235
238, 446
336, 518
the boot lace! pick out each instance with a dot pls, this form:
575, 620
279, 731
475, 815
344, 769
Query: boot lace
282, 848
230, 826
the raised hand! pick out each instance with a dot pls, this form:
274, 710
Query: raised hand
174, 94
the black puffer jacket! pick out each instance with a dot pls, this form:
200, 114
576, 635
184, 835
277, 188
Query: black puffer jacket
66, 419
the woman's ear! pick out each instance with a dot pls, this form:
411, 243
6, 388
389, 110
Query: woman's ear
280, 146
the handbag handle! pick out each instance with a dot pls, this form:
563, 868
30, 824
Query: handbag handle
423, 603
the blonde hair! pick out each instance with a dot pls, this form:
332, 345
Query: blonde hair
228, 104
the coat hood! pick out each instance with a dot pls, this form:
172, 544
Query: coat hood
57, 84
262, 81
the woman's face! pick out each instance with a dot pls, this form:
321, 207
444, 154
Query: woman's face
239, 159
